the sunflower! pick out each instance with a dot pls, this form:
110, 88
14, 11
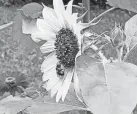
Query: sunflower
12, 82
61, 29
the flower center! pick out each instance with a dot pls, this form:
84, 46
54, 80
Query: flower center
66, 46
10, 81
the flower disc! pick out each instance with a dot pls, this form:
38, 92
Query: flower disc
66, 46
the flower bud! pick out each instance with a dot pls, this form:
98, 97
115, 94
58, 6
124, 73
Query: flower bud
118, 36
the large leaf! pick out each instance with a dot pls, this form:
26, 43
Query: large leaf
131, 31
41, 105
131, 57
130, 5
13, 105
109, 88
49, 105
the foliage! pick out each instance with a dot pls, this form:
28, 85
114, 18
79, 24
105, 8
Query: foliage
124, 4
108, 85
105, 85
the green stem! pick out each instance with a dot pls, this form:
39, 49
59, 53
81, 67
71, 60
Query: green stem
103, 58
119, 51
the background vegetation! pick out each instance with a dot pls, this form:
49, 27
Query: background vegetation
16, 55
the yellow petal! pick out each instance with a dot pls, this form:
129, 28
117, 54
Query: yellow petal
51, 83
56, 88
69, 7
45, 27
60, 91
51, 18
59, 10
66, 83
53, 79
48, 47
39, 36
49, 62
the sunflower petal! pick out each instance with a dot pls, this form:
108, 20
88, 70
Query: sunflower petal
59, 10
45, 77
52, 78
39, 36
59, 94
56, 88
69, 17
60, 91
48, 47
44, 26
77, 30
49, 62
52, 83
69, 7
51, 18
66, 83
70, 20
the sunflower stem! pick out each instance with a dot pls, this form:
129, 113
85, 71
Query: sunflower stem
103, 58
119, 51
96, 18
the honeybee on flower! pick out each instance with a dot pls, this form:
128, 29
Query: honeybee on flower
61, 28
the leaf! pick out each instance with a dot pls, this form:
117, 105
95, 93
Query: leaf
107, 88
41, 105
130, 5
131, 31
131, 56
13, 105
32, 10
109, 51
49, 105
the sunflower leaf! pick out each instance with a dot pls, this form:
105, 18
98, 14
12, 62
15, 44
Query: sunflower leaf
108, 88
50, 106
131, 31
130, 5
131, 56
13, 105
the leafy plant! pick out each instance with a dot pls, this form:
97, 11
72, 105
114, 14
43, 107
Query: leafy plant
104, 85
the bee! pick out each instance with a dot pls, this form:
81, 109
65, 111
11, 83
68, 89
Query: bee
60, 69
